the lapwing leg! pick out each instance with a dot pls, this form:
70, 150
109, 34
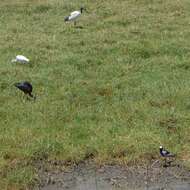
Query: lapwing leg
165, 162
75, 23
170, 161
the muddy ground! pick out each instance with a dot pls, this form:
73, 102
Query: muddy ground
88, 176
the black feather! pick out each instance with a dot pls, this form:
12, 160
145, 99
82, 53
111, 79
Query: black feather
165, 153
26, 87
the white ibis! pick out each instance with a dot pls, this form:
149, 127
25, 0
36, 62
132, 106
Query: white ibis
21, 59
26, 87
74, 16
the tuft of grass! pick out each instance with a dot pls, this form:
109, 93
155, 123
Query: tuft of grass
115, 89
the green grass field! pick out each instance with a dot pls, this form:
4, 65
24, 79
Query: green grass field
119, 84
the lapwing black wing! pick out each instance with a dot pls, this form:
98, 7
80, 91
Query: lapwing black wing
166, 154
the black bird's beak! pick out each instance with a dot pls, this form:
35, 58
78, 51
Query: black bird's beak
16, 84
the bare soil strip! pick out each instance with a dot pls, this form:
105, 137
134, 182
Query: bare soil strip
88, 176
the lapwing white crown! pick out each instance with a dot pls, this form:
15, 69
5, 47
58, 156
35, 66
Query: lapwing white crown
21, 59
74, 16
164, 153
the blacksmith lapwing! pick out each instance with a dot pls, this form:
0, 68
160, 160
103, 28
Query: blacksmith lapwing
166, 154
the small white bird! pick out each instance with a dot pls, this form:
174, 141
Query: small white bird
20, 59
74, 16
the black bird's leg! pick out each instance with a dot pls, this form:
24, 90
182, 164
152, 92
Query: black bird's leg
75, 23
25, 96
32, 96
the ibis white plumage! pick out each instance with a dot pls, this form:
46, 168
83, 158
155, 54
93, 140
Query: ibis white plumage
21, 59
74, 16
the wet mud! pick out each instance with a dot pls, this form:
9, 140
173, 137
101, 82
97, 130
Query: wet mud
88, 176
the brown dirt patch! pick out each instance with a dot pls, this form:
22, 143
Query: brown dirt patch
88, 176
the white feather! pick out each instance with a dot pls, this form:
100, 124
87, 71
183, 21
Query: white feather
74, 15
21, 59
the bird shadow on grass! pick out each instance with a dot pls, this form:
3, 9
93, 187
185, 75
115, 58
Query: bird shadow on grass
79, 27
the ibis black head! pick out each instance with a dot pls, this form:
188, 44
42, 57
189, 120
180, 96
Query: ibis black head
26, 87
66, 18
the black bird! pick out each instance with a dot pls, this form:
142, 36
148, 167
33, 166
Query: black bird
26, 87
166, 154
